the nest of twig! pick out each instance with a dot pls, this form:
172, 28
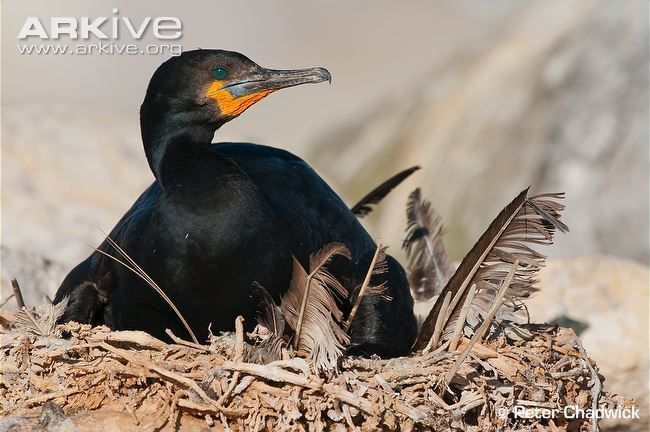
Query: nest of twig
161, 386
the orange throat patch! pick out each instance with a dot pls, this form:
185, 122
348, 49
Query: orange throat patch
230, 105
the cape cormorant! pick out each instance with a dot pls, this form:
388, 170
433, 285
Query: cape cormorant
219, 217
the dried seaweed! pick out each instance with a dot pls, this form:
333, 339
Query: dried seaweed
92, 370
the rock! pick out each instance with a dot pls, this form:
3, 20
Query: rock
610, 296
37, 275
55, 215
557, 99
103, 419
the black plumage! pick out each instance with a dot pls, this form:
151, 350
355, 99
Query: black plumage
364, 206
220, 217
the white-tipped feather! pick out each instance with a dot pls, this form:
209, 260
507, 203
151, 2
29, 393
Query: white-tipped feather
310, 309
41, 322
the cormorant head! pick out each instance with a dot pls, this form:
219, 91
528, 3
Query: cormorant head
215, 86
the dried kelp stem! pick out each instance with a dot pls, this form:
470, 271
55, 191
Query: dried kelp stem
486, 323
239, 356
183, 342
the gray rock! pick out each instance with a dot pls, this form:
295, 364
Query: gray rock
67, 175
37, 275
557, 99
610, 296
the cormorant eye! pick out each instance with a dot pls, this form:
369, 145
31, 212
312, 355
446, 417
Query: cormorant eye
220, 73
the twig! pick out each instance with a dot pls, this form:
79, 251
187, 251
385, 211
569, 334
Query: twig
486, 323
441, 348
17, 293
596, 385
4, 302
49, 396
363, 288
183, 342
239, 356
4, 322
134, 337
173, 415
273, 373
199, 407
350, 398
144, 276
167, 374
536, 404
131, 413
403, 408
570, 373
239, 338
460, 324
470, 400
282, 376
472, 404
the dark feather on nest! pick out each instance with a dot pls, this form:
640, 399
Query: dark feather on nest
429, 266
270, 317
364, 206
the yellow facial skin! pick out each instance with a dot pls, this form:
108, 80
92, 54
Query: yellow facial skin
230, 105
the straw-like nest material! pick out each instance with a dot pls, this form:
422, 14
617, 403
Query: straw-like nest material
79, 373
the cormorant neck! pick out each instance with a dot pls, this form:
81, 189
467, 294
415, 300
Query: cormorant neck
172, 140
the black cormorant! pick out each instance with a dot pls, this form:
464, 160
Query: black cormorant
219, 217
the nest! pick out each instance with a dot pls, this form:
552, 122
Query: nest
74, 371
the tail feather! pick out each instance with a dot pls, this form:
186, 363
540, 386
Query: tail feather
364, 206
86, 288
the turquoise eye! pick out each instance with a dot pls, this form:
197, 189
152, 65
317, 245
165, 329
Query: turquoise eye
220, 73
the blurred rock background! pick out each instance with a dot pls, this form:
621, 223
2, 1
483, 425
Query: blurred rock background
557, 99
488, 97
